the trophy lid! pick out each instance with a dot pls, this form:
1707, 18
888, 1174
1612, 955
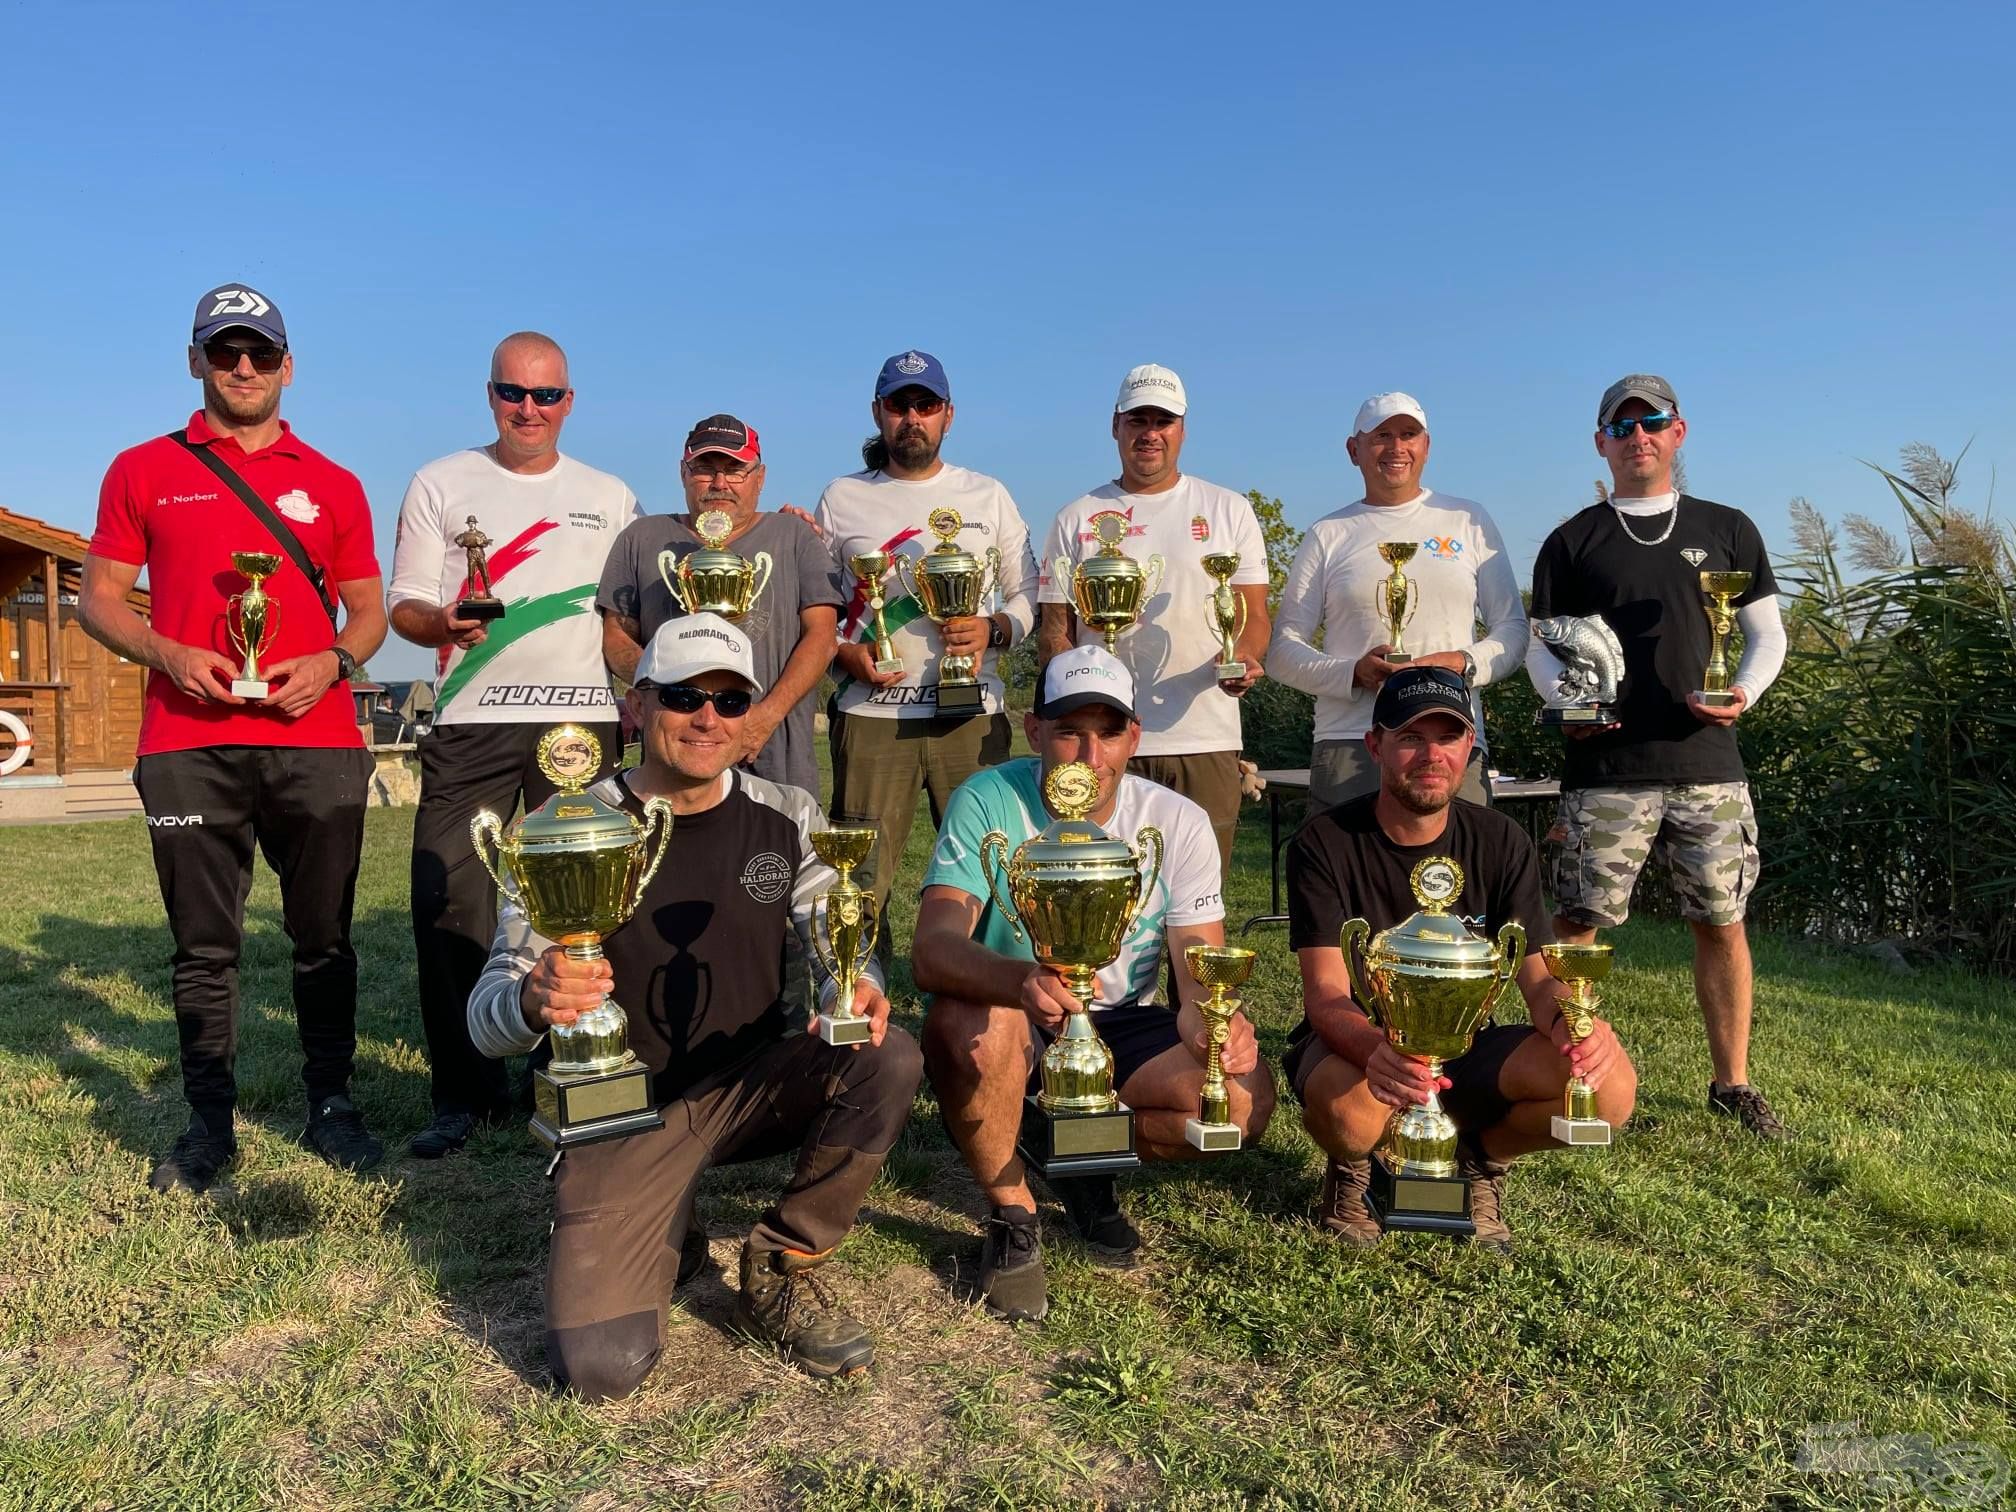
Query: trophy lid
946, 523
1071, 839
714, 527
573, 818
1434, 936
1110, 525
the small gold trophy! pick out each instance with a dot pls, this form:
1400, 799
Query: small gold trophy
949, 583
478, 601
1109, 589
1219, 967
1397, 597
1430, 984
252, 619
847, 939
1720, 588
1077, 892
578, 867
1579, 968
1228, 614
714, 580
871, 569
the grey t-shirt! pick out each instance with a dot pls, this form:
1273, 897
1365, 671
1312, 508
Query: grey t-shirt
803, 575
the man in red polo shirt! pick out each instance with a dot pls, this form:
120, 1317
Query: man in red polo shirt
219, 773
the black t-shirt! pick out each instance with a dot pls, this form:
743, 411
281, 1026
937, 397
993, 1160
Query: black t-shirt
1342, 866
1651, 596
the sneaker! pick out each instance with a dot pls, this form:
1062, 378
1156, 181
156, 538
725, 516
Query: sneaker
1746, 1104
336, 1132
198, 1159
1092, 1205
450, 1131
1487, 1195
1340, 1207
1011, 1267
783, 1303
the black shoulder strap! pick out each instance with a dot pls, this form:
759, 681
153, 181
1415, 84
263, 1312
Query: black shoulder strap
263, 512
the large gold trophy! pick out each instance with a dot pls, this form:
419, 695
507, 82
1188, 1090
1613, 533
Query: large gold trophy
949, 583
1077, 891
578, 868
252, 619
715, 580
843, 933
1720, 588
1109, 588
1220, 968
1430, 984
871, 570
1397, 597
1579, 968
1227, 611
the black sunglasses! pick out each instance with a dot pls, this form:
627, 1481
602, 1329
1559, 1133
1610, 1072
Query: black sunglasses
224, 355
514, 393
684, 698
1618, 430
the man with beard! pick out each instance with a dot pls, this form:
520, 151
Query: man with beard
1355, 860
220, 772
889, 740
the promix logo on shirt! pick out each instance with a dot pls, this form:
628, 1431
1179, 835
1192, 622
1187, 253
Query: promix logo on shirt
1443, 548
766, 877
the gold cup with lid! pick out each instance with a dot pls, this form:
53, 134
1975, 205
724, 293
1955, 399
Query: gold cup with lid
715, 580
949, 582
1109, 589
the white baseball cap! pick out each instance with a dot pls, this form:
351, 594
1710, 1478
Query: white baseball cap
1149, 385
1380, 408
1085, 675
684, 648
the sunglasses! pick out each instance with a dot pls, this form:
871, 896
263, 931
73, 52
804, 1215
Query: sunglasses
514, 393
224, 355
924, 404
684, 698
1618, 430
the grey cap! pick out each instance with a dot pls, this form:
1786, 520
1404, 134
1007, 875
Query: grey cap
237, 304
1650, 387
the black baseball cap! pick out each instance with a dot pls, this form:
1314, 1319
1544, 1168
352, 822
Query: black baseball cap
1414, 691
726, 434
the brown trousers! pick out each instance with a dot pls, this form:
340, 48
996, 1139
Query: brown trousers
1209, 779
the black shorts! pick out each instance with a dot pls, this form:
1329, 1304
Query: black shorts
1135, 1032
1474, 1098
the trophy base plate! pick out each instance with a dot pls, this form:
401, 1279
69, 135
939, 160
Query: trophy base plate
480, 609
1076, 1144
1419, 1204
890, 664
1720, 698
1580, 1131
1398, 658
1229, 671
578, 1110
845, 1029
241, 688
960, 698
1576, 714
1211, 1136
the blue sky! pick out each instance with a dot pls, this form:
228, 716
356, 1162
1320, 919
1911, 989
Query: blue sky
1803, 215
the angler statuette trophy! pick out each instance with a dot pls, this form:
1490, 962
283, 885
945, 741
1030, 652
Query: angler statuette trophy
479, 601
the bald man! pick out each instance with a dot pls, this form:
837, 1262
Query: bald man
500, 683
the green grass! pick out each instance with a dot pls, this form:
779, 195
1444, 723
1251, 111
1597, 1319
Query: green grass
1680, 1310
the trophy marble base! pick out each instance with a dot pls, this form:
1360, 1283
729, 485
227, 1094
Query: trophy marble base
1419, 1204
1229, 671
592, 1106
480, 609
845, 1028
1718, 698
1076, 1144
1398, 658
1576, 714
1580, 1131
959, 698
244, 688
1211, 1136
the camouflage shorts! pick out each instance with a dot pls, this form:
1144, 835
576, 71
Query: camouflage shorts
1706, 833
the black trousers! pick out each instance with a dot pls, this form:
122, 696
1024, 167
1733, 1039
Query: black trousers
466, 768
304, 810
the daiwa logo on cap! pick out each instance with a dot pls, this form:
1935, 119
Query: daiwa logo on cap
911, 364
238, 302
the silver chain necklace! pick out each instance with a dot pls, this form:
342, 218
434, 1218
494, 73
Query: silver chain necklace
1671, 520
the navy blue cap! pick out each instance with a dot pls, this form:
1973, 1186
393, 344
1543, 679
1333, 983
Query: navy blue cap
913, 369
236, 304
1414, 691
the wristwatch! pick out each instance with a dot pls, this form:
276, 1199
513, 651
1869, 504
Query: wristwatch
1470, 669
997, 634
346, 664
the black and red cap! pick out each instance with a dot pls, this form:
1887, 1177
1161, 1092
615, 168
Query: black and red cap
724, 434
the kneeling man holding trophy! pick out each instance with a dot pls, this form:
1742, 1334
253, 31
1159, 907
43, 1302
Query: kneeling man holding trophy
1021, 968
1390, 996
698, 969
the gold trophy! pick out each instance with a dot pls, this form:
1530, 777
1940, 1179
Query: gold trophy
256, 621
871, 569
1430, 984
1228, 614
847, 939
1077, 891
949, 583
715, 580
479, 602
1218, 967
1397, 597
578, 867
1720, 588
1109, 589
1578, 968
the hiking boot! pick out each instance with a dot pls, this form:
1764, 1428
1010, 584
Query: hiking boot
784, 1304
1011, 1267
1093, 1207
1746, 1104
1487, 1193
336, 1132
1340, 1206
197, 1160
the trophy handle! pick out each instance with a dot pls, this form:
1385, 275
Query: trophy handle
1512, 955
904, 581
1239, 615
657, 815
1352, 940
993, 848
1150, 839
1063, 575
820, 948
762, 575
232, 623
1153, 572
487, 825
668, 570
1413, 602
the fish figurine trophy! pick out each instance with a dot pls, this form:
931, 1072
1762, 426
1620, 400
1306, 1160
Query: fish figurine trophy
1578, 968
1592, 667
1430, 985
578, 867
949, 583
1220, 968
713, 579
1396, 598
1720, 588
479, 600
1109, 589
252, 619
1227, 611
871, 571
843, 932
1076, 892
